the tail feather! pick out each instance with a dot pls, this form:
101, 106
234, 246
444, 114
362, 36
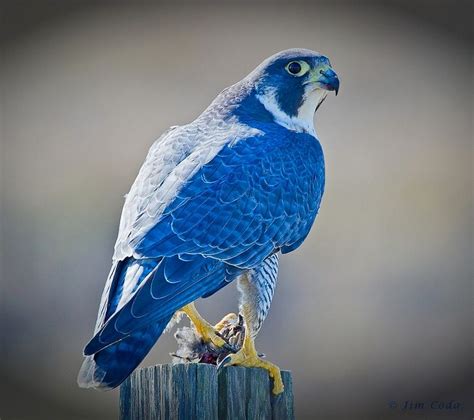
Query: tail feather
158, 298
109, 367
141, 297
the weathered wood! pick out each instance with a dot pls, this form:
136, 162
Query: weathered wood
154, 390
197, 391
207, 394
258, 386
283, 404
125, 401
232, 393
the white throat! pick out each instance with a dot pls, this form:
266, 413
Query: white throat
303, 120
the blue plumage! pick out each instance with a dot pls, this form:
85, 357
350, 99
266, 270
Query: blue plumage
250, 199
213, 200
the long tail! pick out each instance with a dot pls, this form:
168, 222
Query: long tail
139, 300
109, 367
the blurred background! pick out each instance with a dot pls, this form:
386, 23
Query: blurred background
374, 308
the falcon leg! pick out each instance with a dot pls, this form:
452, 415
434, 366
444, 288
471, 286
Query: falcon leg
256, 288
203, 328
247, 356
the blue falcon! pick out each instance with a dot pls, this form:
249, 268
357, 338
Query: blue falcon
216, 200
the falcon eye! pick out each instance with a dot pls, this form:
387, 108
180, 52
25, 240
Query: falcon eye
294, 67
297, 68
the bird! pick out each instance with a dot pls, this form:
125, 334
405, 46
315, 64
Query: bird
217, 200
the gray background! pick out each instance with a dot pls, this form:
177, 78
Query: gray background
374, 307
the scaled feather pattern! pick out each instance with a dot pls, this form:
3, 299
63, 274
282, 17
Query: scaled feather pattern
214, 200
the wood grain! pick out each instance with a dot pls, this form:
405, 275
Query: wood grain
199, 391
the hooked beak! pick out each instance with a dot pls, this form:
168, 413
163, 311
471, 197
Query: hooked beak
325, 77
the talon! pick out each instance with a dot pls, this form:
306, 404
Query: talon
250, 359
278, 386
209, 335
226, 322
224, 362
206, 330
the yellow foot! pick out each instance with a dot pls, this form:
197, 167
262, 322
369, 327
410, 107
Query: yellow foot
227, 321
208, 333
247, 358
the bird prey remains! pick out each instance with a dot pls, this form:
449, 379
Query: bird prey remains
216, 200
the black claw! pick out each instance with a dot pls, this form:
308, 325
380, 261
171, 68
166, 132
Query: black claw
225, 332
221, 364
230, 348
226, 345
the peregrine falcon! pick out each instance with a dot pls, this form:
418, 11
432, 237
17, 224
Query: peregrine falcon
216, 200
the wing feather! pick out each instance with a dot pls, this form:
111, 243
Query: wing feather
235, 209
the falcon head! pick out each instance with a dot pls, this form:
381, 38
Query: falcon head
292, 84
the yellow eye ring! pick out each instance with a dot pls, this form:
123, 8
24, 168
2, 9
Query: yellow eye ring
297, 68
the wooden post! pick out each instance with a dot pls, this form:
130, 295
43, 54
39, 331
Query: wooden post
196, 391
